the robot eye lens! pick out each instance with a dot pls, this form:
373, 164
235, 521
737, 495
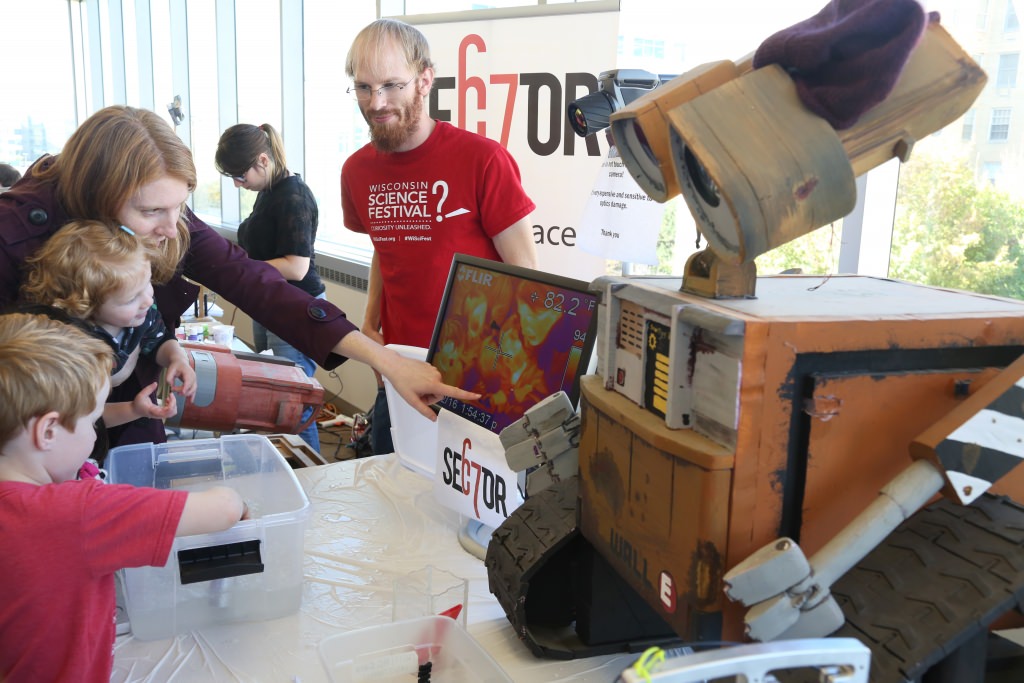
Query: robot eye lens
702, 181
580, 119
641, 140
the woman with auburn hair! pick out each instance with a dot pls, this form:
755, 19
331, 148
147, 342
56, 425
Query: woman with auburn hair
125, 166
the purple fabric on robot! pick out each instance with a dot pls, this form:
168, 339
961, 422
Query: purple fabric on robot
846, 58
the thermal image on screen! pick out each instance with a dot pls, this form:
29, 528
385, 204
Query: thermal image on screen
514, 335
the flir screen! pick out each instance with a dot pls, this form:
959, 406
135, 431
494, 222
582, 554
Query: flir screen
512, 334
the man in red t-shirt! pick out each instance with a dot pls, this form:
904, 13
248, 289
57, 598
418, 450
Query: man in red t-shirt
424, 191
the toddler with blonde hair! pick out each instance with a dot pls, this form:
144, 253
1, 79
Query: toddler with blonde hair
102, 275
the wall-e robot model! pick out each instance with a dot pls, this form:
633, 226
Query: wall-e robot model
743, 449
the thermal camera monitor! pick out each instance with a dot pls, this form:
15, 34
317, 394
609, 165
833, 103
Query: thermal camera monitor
512, 334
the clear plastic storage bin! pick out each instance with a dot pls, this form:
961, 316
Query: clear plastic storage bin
395, 652
252, 571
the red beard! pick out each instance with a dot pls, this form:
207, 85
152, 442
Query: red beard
390, 136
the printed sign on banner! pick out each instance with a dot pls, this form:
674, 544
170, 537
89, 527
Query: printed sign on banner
620, 222
471, 475
511, 80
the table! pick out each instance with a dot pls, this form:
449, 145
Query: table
373, 520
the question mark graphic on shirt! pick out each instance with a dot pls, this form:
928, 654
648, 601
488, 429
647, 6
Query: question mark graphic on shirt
444, 195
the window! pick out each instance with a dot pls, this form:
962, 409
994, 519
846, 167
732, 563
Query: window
258, 67
334, 127
163, 92
1000, 128
967, 132
958, 204
1006, 76
991, 172
200, 103
981, 19
1010, 22
648, 49
39, 114
132, 79
258, 61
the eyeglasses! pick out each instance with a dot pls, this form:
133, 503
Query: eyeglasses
236, 178
364, 93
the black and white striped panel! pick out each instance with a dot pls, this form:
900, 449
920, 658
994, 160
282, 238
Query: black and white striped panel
986, 447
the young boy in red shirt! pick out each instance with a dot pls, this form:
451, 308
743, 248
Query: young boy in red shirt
61, 539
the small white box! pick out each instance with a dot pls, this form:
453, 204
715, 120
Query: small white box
414, 437
250, 572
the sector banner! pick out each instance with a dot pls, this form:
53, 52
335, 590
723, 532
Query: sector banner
511, 80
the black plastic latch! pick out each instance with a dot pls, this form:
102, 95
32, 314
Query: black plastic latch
219, 561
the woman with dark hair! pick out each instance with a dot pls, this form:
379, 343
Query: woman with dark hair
126, 166
281, 230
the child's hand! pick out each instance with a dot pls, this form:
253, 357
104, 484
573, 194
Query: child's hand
179, 370
144, 406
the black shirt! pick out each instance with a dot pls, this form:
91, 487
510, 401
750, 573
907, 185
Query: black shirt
283, 222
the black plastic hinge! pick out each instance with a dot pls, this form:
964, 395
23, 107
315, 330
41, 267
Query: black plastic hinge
219, 561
